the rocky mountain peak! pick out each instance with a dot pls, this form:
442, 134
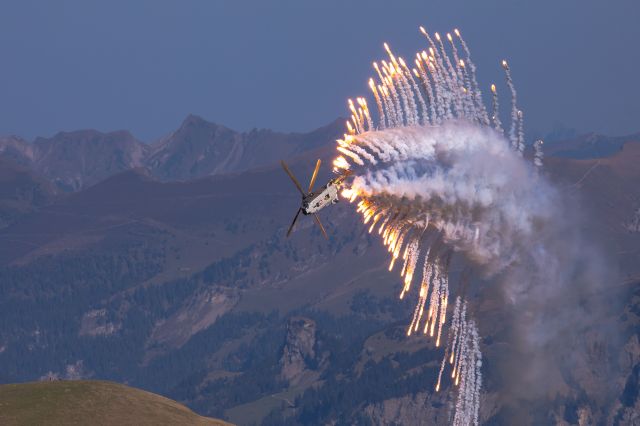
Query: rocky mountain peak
193, 120
16, 149
75, 160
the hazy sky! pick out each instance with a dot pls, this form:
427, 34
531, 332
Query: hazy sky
143, 65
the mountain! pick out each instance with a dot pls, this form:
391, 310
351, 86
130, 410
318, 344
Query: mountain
21, 191
16, 150
588, 146
609, 184
199, 148
76, 160
190, 289
91, 402
167, 272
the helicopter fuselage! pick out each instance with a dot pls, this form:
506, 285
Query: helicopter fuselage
316, 201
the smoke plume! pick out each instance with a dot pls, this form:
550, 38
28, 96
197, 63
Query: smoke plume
439, 176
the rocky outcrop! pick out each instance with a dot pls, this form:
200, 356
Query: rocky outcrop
75, 371
633, 225
16, 149
96, 323
199, 313
408, 410
626, 411
298, 350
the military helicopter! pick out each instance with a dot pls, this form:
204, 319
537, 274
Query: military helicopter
313, 202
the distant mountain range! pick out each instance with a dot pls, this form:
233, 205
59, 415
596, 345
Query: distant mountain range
198, 148
166, 266
589, 146
76, 160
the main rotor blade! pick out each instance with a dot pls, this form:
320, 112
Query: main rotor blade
293, 178
315, 175
317, 219
293, 223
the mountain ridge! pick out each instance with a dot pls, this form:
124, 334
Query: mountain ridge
74, 160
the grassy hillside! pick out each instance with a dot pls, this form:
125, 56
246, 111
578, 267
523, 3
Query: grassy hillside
91, 402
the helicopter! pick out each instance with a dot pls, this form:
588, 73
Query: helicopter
314, 201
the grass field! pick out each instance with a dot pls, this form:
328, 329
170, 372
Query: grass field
91, 403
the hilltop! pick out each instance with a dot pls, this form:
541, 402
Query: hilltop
91, 402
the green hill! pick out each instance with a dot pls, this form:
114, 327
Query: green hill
91, 403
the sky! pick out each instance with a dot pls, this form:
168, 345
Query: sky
143, 65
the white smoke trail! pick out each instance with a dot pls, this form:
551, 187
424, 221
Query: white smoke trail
398, 86
470, 378
381, 110
478, 375
520, 132
355, 117
468, 102
389, 116
444, 300
416, 91
475, 89
395, 97
495, 112
450, 77
435, 65
426, 83
410, 90
364, 110
513, 136
456, 58
458, 341
459, 173
390, 107
433, 302
538, 155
